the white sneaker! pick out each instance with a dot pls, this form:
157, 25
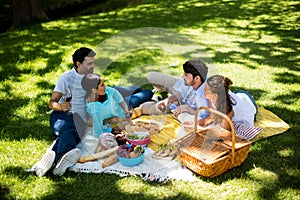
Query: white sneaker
42, 166
68, 160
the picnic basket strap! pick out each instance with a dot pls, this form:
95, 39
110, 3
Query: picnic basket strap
226, 118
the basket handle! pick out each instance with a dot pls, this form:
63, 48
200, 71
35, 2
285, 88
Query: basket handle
226, 118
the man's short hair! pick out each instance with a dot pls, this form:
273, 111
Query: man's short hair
196, 68
81, 53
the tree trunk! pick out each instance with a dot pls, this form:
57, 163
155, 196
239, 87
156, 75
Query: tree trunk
26, 10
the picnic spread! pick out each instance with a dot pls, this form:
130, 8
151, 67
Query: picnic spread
218, 154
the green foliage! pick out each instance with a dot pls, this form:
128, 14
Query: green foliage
255, 43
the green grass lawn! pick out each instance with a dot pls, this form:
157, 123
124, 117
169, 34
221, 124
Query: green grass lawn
255, 43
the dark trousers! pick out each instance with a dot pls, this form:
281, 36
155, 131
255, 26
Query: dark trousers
63, 126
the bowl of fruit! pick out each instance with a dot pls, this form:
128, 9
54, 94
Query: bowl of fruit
138, 138
130, 155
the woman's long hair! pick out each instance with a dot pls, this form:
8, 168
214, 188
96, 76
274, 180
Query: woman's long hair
89, 82
219, 85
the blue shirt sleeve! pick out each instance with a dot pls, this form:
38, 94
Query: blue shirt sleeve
115, 94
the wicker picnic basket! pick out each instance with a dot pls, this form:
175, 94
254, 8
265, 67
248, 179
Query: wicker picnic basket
212, 151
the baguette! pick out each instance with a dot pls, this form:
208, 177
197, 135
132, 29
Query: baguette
98, 155
110, 160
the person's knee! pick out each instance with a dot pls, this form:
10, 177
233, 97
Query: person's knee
151, 76
147, 95
139, 98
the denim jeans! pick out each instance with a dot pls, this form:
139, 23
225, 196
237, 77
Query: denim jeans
137, 99
126, 91
63, 126
134, 96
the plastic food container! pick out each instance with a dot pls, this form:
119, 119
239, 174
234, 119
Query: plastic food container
142, 142
130, 162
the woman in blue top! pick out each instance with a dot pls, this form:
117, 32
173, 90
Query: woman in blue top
102, 102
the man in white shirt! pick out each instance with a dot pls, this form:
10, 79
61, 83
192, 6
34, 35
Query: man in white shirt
187, 92
66, 104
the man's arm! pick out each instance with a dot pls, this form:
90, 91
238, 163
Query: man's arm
175, 97
183, 108
54, 105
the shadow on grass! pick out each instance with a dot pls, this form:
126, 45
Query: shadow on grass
256, 93
4, 192
268, 154
21, 126
287, 78
87, 186
42, 39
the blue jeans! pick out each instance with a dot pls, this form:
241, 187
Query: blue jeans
126, 91
134, 96
137, 99
63, 126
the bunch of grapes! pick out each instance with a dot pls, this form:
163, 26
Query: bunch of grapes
130, 151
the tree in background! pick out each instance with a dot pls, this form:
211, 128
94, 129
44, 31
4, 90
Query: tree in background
27, 10
14, 13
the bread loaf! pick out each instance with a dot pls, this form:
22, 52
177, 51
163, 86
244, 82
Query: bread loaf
98, 155
110, 160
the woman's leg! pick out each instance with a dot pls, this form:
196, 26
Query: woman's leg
126, 91
137, 99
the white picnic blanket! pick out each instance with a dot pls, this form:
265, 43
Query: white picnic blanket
150, 169
163, 170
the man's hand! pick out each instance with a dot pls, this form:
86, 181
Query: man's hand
161, 105
183, 108
65, 106
180, 109
54, 105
